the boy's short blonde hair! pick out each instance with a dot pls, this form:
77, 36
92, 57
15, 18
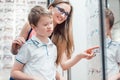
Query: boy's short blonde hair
36, 13
109, 14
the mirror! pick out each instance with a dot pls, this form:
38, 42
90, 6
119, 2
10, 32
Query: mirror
112, 51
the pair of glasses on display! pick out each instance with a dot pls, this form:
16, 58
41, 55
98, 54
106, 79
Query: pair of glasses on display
31, 2
7, 38
8, 10
42, 2
20, 1
9, 1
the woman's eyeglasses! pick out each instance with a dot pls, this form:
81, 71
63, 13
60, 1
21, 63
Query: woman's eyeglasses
61, 10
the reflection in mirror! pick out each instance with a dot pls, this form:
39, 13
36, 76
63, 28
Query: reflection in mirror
114, 5
112, 28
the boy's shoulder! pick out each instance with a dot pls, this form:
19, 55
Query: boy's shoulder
34, 42
112, 43
29, 44
116, 43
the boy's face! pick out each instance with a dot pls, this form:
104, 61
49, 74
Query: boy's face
107, 27
44, 27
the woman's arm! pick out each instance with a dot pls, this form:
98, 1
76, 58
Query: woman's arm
25, 30
19, 41
68, 63
59, 77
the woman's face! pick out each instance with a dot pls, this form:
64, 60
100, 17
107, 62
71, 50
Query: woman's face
60, 13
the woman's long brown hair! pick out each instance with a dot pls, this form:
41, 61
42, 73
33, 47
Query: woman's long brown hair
62, 35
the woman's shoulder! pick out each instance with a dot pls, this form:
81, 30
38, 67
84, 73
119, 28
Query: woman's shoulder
25, 30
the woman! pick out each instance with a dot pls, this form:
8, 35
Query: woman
62, 35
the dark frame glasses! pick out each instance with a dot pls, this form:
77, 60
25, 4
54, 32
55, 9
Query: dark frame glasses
62, 11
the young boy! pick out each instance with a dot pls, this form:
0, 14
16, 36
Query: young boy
36, 59
112, 49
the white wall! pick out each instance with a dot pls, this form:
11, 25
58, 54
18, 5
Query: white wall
79, 71
85, 23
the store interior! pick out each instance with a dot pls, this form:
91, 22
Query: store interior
86, 28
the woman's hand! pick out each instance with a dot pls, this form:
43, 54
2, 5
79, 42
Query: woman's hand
86, 55
89, 56
92, 52
16, 44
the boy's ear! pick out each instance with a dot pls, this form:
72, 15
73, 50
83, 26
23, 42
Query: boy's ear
32, 26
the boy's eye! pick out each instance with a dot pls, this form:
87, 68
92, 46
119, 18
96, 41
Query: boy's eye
45, 24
